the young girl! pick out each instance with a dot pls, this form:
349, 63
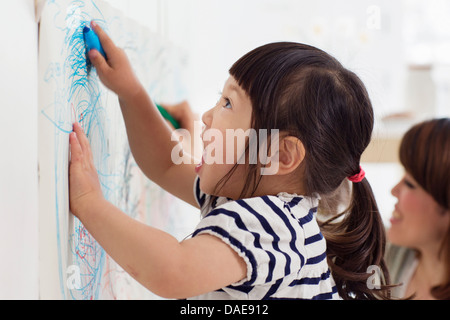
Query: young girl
259, 238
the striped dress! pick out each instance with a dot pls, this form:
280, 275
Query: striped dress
280, 241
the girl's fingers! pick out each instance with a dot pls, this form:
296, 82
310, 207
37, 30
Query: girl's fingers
83, 141
106, 42
81, 136
75, 150
98, 61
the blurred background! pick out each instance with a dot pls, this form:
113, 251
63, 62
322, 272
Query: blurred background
400, 49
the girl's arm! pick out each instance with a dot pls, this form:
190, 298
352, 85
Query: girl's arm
148, 133
154, 258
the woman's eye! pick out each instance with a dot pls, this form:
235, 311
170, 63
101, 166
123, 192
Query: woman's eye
408, 184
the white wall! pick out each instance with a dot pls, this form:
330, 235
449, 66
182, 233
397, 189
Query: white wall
220, 32
375, 38
18, 152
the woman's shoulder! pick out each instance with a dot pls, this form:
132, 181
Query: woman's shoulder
398, 259
396, 253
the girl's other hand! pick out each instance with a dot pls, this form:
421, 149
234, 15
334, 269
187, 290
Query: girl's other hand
84, 185
182, 112
115, 72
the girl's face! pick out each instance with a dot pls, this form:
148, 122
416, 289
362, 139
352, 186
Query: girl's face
418, 221
230, 118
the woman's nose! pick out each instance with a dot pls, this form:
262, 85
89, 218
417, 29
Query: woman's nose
394, 190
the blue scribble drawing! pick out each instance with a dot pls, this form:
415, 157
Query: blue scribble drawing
72, 92
78, 98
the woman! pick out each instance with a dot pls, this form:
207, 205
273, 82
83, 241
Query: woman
419, 256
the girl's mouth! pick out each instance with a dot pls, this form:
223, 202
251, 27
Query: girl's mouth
199, 166
202, 162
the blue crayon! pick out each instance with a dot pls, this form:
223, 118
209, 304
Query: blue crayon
92, 41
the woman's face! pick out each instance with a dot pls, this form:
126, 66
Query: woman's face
418, 221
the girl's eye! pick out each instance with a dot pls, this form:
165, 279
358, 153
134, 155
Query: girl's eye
227, 104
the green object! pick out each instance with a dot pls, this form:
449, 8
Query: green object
168, 117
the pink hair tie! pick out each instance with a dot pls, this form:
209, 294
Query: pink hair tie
357, 178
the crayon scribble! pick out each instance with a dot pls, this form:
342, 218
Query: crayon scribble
75, 93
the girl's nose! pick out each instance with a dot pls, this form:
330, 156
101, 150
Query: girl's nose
207, 117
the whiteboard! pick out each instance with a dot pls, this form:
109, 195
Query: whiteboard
72, 264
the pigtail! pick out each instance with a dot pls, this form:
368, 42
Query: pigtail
355, 247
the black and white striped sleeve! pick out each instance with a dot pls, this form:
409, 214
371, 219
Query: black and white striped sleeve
262, 234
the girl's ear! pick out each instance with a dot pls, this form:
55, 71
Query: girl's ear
291, 155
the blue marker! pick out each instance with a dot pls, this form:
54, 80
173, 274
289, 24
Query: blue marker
92, 41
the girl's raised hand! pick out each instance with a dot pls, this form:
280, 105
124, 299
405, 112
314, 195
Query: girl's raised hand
115, 72
84, 185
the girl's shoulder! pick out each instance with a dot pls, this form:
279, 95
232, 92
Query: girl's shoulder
266, 210
280, 205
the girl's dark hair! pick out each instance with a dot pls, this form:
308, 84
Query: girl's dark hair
425, 155
304, 92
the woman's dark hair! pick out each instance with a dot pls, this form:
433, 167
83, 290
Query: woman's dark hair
425, 155
304, 92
